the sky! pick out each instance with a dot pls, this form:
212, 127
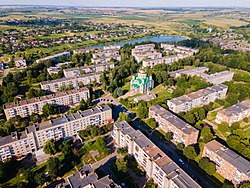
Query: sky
133, 3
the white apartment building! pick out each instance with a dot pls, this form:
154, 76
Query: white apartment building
75, 72
163, 60
55, 85
179, 49
157, 165
234, 113
197, 99
168, 122
26, 107
217, 78
19, 144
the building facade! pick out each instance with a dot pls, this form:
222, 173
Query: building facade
197, 99
168, 122
229, 165
142, 83
55, 85
75, 72
20, 62
19, 144
157, 165
234, 113
26, 107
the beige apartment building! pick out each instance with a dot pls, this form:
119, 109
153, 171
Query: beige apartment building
26, 107
197, 99
157, 165
55, 85
77, 71
168, 122
234, 113
163, 60
147, 51
229, 164
19, 144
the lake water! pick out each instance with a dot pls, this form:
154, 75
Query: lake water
152, 39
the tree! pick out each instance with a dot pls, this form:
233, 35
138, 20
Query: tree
245, 185
50, 147
121, 165
66, 149
142, 111
50, 109
169, 136
115, 93
119, 92
207, 166
190, 152
123, 116
150, 184
227, 184
151, 123
40, 179
180, 146
206, 134
53, 167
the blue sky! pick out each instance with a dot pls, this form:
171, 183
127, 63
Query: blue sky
133, 3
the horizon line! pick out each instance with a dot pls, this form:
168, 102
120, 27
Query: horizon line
138, 7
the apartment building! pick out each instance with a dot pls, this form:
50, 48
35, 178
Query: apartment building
26, 107
179, 49
55, 57
56, 68
234, 113
168, 122
87, 178
55, 85
147, 51
217, 78
163, 60
229, 164
19, 144
197, 99
75, 72
104, 59
157, 165
115, 48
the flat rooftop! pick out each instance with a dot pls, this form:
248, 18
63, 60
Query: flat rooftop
44, 98
236, 109
230, 156
173, 119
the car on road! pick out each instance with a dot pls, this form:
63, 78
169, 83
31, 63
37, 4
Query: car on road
181, 161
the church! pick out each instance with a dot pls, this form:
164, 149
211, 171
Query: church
142, 83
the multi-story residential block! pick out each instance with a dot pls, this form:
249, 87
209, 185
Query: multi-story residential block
83, 51
87, 178
75, 72
112, 48
26, 107
179, 49
56, 68
147, 51
157, 165
20, 62
55, 57
234, 113
104, 59
229, 164
197, 99
163, 60
19, 144
216, 78
55, 85
169, 122
143, 48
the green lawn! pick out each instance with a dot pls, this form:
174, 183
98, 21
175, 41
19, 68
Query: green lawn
240, 75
